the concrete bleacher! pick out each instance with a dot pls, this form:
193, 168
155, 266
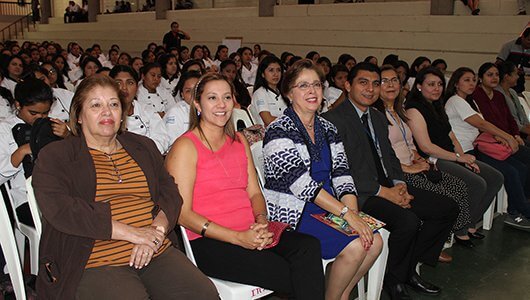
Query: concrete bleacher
362, 29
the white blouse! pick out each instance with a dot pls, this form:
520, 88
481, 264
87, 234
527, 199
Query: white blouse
266, 100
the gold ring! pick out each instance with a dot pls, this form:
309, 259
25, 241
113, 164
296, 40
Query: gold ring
156, 242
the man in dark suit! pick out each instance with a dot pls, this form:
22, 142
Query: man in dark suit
419, 220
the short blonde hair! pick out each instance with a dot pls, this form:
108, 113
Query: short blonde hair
82, 94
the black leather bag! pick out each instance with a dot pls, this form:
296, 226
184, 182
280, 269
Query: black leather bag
433, 174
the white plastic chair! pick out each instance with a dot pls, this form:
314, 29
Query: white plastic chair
502, 201
21, 232
9, 249
227, 290
241, 115
34, 207
526, 107
257, 157
526, 96
254, 115
489, 214
375, 274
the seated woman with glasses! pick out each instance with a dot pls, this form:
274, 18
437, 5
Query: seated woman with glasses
307, 173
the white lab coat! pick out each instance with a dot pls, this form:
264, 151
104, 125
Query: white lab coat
160, 101
61, 104
5, 109
7, 170
145, 121
9, 84
177, 120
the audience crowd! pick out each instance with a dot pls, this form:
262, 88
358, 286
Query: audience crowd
122, 150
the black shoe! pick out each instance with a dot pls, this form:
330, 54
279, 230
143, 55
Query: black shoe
465, 243
522, 13
476, 235
420, 285
397, 291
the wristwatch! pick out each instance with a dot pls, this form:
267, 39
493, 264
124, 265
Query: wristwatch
343, 212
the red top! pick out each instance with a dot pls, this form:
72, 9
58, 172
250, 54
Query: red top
220, 190
495, 110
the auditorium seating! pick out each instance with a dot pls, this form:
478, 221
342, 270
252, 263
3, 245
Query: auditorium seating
362, 29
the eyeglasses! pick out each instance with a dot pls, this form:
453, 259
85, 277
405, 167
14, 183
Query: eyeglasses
304, 86
393, 81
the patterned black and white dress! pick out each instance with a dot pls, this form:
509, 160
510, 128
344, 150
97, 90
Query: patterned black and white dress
451, 186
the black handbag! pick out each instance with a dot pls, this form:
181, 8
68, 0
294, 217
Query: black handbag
433, 174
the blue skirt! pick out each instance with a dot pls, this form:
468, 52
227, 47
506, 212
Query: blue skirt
331, 241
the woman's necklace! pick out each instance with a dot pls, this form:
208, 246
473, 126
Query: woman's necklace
308, 126
117, 145
111, 159
216, 155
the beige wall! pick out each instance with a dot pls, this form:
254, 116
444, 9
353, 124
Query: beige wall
363, 29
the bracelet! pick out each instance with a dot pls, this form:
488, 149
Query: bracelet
205, 227
457, 156
261, 214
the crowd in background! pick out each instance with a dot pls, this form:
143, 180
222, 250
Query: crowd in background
417, 125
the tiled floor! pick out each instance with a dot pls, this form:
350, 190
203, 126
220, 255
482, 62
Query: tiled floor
498, 268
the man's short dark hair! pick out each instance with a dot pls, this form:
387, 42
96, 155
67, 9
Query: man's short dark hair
174, 23
363, 66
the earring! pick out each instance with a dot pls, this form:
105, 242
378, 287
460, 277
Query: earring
419, 90
198, 113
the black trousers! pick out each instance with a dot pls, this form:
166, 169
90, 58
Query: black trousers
416, 234
292, 267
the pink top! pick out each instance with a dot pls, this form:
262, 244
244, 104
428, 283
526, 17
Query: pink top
400, 136
220, 189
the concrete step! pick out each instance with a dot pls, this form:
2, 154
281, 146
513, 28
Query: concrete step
433, 24
452, 42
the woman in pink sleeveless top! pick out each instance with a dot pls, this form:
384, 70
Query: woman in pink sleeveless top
224, 210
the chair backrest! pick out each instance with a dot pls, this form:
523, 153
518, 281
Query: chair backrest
9, 249
250, 90
526, 96
187, 245
526, 107
254, 115
7, 187
34, 207
257, 157
238, 116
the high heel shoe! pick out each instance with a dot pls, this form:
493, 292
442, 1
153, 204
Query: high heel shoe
475, 235
465, 243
